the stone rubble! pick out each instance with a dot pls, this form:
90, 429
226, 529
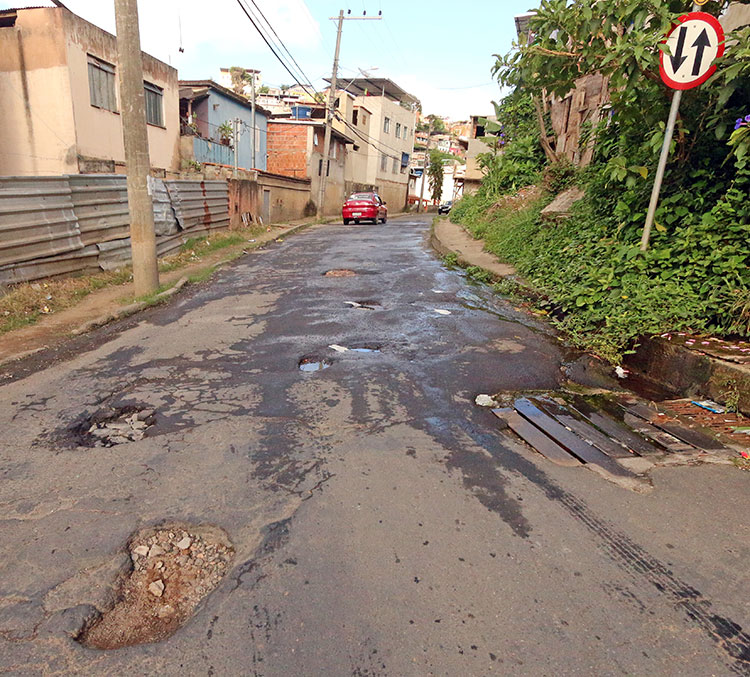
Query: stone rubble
125, 429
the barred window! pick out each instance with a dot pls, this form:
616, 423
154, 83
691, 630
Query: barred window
102, 84
395, 166
154, 97
383, 162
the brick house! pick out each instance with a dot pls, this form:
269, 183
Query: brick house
295, 148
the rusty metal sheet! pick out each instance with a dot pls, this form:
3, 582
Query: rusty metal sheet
536, 438
200, 204
37, 219
165, 221
100, 202
79, 261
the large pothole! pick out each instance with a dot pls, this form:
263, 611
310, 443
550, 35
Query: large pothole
340, 272
314, 363
112, 426
174, 568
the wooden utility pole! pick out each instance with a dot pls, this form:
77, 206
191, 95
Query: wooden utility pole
135, 137
330, 105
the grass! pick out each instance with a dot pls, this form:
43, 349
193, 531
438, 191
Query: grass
25, 304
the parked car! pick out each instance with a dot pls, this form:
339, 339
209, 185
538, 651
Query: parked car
364, 207
445, 207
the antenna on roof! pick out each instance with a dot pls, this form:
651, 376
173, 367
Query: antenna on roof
179, 25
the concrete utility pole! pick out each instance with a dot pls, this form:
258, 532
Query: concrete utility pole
236, 145
135, 137
331, 104
329, 120
426, 165
252, 131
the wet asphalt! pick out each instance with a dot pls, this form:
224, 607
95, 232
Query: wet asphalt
383, 523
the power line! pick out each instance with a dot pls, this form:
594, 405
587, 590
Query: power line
262, 34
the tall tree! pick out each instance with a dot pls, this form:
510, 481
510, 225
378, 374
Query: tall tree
435, 174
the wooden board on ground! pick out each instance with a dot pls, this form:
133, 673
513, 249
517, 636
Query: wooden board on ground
614, 428
536, 438
662, 438
567, 439
583, 428
680, 431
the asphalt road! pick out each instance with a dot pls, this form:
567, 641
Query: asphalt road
383, 525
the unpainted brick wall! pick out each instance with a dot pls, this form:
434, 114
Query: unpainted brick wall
287, 149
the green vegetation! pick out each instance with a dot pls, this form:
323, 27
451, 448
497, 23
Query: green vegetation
435, 173
607, 294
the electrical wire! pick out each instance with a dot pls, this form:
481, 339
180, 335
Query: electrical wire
248, 12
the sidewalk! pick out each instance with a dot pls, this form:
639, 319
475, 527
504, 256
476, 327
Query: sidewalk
688, 366
106, 305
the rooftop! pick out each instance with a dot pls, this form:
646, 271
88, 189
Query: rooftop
193, 89
379, 87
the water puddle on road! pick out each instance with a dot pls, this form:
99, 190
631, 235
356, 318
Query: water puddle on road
309, 364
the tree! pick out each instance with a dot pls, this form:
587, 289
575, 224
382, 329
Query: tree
264, 89
435, 174
437, 124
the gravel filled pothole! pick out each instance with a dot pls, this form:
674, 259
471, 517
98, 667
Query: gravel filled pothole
174, 568
111, 426
340, 272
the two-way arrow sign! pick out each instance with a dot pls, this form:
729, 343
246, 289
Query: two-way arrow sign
692, 46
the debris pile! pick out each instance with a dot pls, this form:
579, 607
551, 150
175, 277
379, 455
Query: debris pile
173, 570
128, 427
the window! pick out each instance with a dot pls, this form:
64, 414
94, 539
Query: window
383, 162
154, 96
398, 130
395, 166
406, 132
387, 125
364, 119
334, 148
102, 84
355, 115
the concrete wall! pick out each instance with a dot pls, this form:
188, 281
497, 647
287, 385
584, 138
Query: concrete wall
37, 134
49, 125
288, 199
218, 109
737, 15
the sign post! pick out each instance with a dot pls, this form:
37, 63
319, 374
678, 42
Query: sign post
694, 43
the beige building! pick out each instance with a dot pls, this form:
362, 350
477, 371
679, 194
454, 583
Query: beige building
380, 117
59, 99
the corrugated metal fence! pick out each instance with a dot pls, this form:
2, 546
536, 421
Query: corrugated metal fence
68, 224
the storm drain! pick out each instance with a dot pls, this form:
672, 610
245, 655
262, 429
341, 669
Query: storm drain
173, 569
113, 426
314, 363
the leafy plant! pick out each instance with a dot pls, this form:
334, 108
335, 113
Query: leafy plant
435, 174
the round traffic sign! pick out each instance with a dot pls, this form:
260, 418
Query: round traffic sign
692, 46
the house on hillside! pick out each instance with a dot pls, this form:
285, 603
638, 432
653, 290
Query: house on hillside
382, 122
206, 113
295, 149
60, 98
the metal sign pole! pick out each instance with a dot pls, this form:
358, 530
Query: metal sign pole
658, 180
676, 98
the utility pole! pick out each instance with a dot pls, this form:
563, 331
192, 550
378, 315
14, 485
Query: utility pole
426, 165
331, 104
236, 145
135, 137
329, 120
252, 138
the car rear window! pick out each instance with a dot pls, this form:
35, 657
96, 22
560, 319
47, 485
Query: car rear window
361, 196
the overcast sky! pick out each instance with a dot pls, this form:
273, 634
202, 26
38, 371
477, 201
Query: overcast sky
439, 51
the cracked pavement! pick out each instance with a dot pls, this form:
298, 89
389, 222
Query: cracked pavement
383, 524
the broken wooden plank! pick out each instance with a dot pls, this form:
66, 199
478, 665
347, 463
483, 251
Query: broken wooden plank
583, 428
676, 428
567, 439
662, 438
536, 438
614, 428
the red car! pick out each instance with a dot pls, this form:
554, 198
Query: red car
364, 207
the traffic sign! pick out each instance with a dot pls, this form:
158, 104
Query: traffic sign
692, 46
